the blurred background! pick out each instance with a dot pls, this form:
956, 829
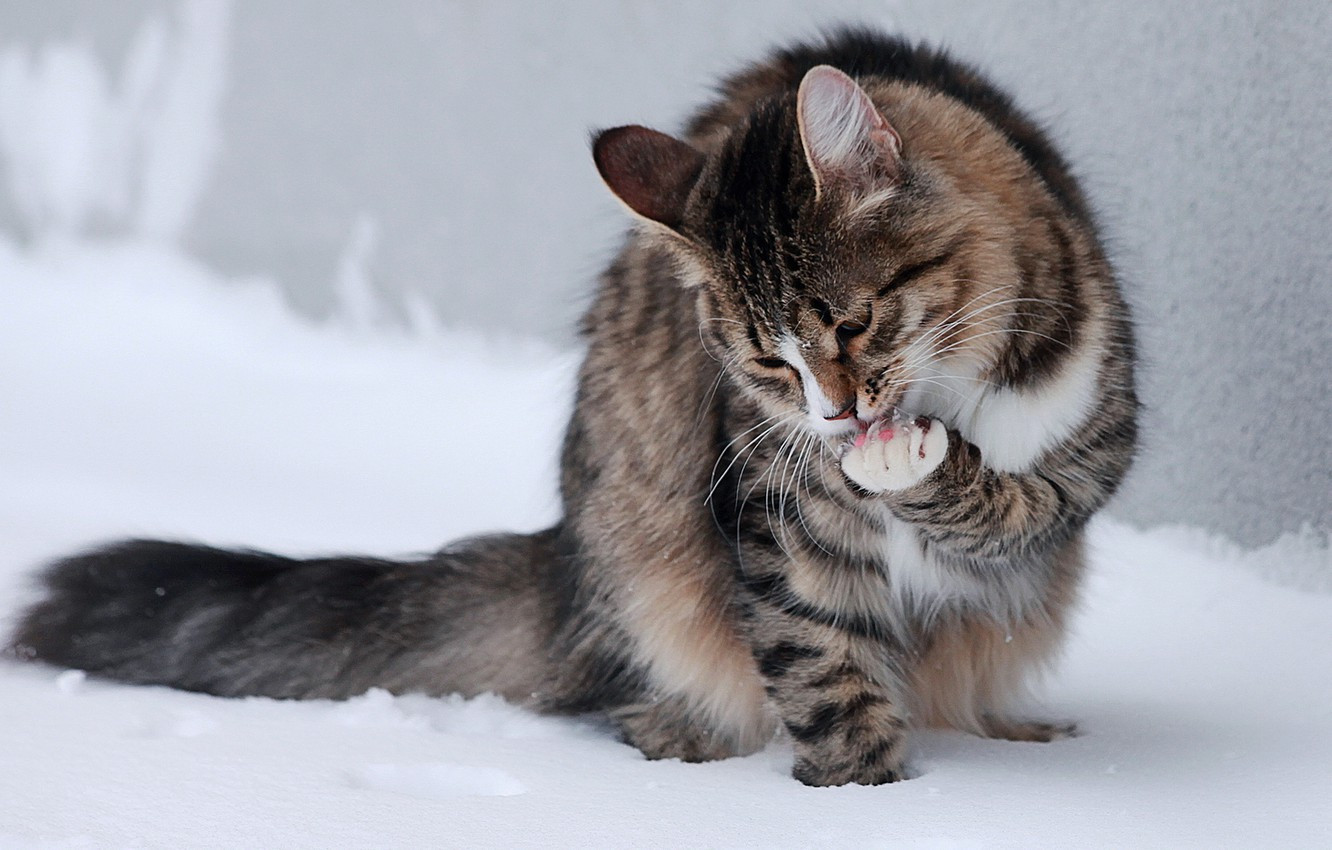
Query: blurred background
438, 150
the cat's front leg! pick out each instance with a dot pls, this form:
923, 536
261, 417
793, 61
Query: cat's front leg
830, 683
933, 479
846, 724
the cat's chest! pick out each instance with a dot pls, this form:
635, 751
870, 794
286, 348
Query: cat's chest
914, 582
1013, 426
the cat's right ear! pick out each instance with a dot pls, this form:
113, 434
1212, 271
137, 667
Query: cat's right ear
651, 172
848, 143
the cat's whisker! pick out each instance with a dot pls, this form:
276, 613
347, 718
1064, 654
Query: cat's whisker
824, 452
951, 321
954, 321
1006, 331
711, 394
949, 324
717, 479
799, 458
936, 382
764, 475
807, 457
702, 341
766, 478
915, 359
782, 496
1056, 307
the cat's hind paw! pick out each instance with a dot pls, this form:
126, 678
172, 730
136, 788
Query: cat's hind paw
895, 455
1040, 731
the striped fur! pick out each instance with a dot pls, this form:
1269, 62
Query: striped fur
933, 258
818, 254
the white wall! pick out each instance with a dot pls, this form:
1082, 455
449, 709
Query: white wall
450, 139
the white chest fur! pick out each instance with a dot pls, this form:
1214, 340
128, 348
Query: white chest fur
920, 585
1013, 427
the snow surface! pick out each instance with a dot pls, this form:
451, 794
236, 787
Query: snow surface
143, 394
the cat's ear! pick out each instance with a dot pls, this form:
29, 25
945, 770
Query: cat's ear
847, 142
651, 172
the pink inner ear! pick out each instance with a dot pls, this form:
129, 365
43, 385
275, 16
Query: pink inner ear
651, 172
846, 139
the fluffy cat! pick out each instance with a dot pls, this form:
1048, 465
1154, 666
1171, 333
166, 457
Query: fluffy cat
853, 387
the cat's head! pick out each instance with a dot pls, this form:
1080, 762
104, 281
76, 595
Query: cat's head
840, 260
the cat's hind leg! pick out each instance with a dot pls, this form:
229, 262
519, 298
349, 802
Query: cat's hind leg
664, 728
975, 670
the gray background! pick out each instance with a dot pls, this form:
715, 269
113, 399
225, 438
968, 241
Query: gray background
459, 129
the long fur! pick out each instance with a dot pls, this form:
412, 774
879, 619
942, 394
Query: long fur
719, 573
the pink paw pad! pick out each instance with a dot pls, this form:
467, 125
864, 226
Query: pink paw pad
886, 434
859, 440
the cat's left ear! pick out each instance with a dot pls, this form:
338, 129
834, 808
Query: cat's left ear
848, 143
651, 172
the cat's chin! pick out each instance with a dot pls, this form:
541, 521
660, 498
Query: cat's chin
845, 429
838, 429
834, 431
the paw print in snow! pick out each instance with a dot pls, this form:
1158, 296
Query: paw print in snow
894, 454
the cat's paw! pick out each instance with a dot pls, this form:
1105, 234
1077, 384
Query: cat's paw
1008, 729
665, 730
895, 455
852, 755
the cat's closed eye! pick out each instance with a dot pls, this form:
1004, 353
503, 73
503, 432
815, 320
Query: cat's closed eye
772, 363
848, 331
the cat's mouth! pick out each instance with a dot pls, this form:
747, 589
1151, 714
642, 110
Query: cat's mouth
890, 412
889, 415
853, 422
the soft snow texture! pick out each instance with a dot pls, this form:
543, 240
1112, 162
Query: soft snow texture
144, 395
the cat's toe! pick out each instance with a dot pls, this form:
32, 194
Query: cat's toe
895, 455
927, 446
1039, 731
823, 776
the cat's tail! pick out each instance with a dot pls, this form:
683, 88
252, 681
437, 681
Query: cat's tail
477, 617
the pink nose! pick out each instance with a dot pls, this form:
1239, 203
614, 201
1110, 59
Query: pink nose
847, 413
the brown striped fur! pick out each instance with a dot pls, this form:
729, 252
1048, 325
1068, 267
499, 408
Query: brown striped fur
753, 539
929, 602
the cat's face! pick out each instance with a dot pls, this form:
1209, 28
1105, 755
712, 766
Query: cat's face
834, 274
857, 316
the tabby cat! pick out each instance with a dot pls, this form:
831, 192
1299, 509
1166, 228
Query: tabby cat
853, 387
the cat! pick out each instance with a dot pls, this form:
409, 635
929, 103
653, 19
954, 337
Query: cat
853, 387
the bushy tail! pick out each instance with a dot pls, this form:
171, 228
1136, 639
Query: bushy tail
477, 617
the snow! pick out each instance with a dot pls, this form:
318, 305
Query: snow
145, 394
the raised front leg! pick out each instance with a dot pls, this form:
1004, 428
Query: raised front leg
938, 482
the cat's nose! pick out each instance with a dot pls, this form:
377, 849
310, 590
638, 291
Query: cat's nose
846, 412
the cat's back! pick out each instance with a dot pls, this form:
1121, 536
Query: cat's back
866, 53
